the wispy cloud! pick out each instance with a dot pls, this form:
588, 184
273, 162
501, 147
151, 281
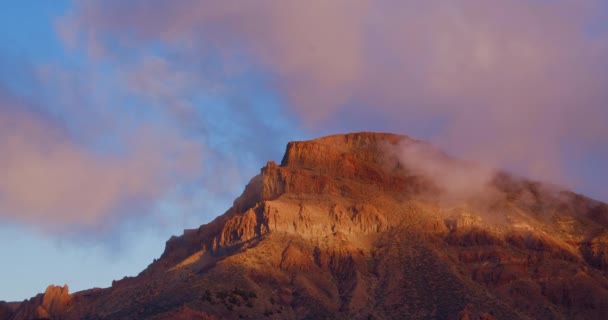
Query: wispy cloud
512, 81
457, 181
163, 84
50, 180
104, 138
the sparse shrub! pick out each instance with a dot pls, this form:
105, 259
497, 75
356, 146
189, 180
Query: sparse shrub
207, 296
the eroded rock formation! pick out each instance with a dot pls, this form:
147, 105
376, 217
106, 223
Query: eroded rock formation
52, 304
343, 228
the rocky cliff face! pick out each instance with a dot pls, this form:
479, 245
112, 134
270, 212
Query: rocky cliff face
52, 304
343, 228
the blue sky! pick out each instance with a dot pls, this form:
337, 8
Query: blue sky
124, 122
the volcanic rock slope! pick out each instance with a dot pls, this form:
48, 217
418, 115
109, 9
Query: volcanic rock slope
343, 229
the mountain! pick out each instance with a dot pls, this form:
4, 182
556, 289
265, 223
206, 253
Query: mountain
369, 226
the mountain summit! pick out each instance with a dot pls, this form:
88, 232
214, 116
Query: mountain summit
369, 226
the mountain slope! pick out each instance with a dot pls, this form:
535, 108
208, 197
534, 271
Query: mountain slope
348, 226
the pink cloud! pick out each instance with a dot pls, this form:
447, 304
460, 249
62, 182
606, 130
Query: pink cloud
514, 79
51, 181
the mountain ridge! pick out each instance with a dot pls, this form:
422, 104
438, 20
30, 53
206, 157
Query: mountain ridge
347, 226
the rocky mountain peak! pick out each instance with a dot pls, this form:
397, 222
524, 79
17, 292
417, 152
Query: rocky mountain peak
349, 227
329, 151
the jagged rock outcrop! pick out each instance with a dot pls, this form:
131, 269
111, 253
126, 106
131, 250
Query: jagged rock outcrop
344, 228
52, 304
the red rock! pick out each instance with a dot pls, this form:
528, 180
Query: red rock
343, 229
53, 304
